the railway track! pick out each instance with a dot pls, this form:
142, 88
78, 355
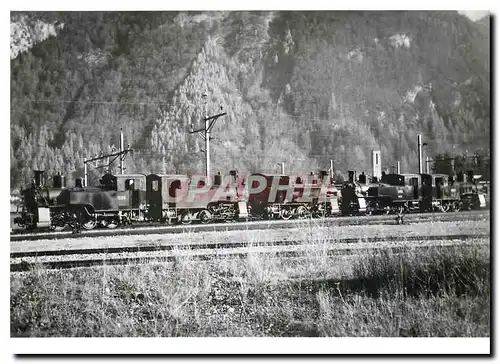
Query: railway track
257, 225
73, 258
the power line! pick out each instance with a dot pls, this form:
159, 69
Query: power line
95, 102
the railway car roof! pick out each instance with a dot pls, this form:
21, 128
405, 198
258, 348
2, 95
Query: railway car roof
270, 174
167, 175
130, 175
402, 174
410, 174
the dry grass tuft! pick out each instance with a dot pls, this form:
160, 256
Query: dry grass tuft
438, 292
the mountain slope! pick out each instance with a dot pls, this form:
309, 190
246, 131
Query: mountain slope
298, 87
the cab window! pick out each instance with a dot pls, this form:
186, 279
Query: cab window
129, 184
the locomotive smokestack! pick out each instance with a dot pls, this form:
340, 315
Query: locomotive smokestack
39, 178
351, 176
362, 178
58, 181
233, 173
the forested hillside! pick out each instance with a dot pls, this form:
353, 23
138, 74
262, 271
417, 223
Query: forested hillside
298, 87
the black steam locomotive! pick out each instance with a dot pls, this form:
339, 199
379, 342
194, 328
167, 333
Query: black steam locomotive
423, 193
116, 201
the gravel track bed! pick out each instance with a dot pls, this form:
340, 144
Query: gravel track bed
306, 247
307, 231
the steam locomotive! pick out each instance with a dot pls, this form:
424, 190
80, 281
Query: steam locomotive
57, 206
424, 193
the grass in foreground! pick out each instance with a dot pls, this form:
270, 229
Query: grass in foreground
438, 292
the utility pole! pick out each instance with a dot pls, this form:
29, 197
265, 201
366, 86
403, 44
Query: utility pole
331, 168
282, 164
84, 172
427, 161
204, 133
207, 147
121, 150
398, 167
419, 153
110, 158
163, 159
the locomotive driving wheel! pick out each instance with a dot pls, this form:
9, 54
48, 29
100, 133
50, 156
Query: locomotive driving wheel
56, 228
77, 217
112, 224
205, 216
301, 212
87, 222
286, 214
319, 213
445, 207
90, 224
185, 218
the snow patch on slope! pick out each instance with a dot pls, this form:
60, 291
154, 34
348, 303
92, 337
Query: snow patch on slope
412, 94
400, 41
23, 36
355, 55
186, 18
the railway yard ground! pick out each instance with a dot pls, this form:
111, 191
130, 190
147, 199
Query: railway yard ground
308, 278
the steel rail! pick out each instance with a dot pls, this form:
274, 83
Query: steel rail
225, 245
226, 250
257, 225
